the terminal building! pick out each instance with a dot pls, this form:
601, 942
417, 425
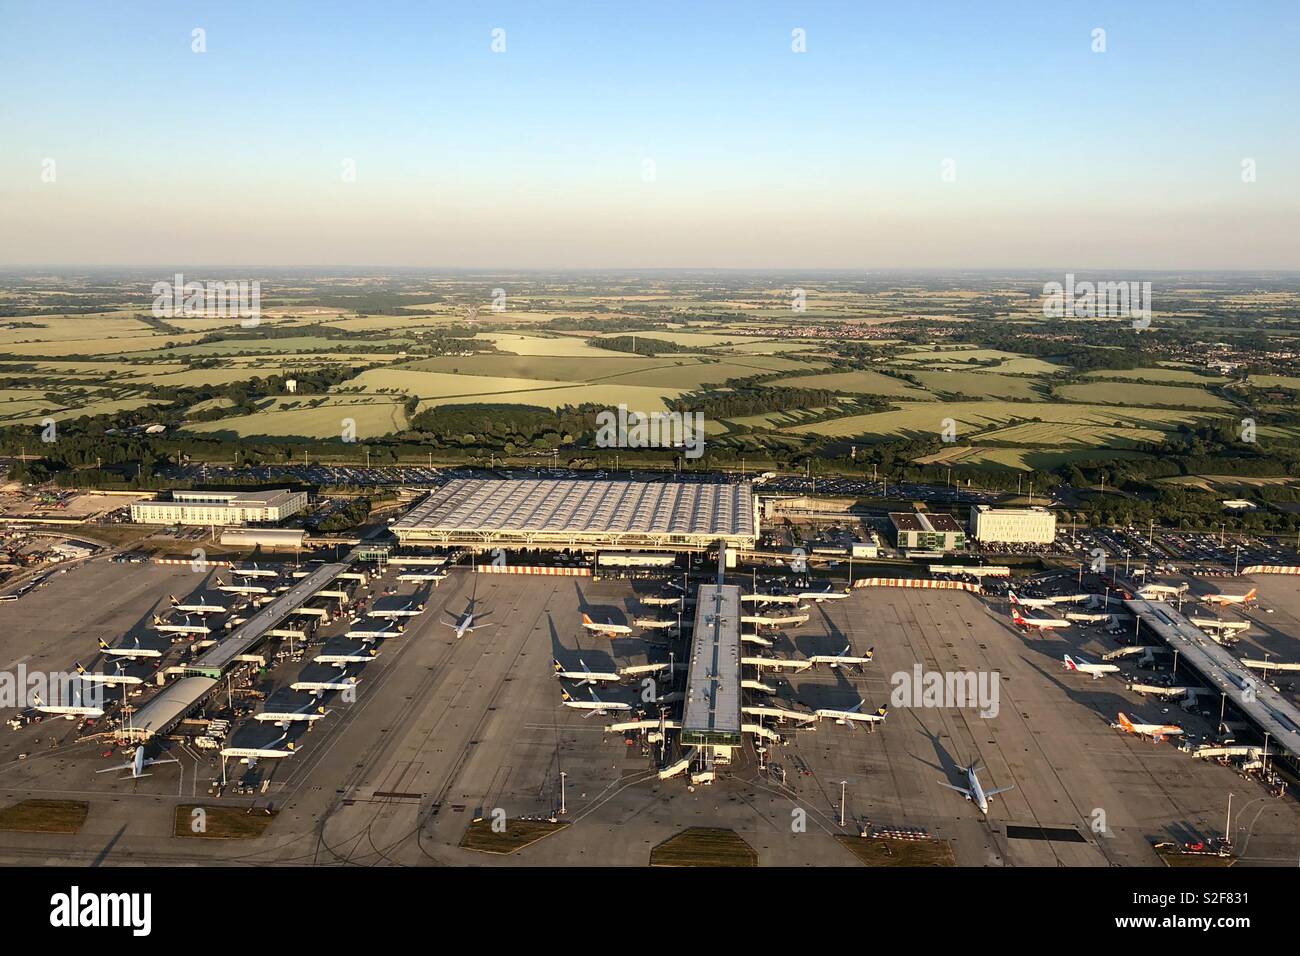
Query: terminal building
711, 718
584, 515
221, 507
1012, 525
918, 531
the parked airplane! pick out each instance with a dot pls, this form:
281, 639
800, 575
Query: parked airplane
269, 751
309, 712
254, 572
67, 711
819, 596
585, 676
110, 680
362, 656
1032, 602
130, 653
137, 765
844, 658
1154, 731
975, 793
410, 609
203, 607
771, 598
466, 624
608, 629
341, 682
1226, 599
240, 588
593, 706
765, 620
1083, 667
187, 628
375, 635
854, 713
1042, 623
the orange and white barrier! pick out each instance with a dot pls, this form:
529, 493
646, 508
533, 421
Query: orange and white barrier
533, 569
195, 564
918, 583
1272, 569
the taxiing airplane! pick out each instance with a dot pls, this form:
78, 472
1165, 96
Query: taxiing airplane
240, 588
1083, 667
137, 765
129, 653
187, 628
1225, 599
1154, 731
585, 676
466, 624
67, 711
608, 629
110, 680
593, 706
975, 793
848, 717
1041, 623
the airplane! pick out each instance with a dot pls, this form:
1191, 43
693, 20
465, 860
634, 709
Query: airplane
593, 706
585, 676
1155, 731
1226, 599
466, 624
767, 621
137, 765
608, 629
374, 635
844, 658
410, 609
1042, 623
771, 598
1158, 592
254, 572
1083, 667
362, 656
847, 717
203, 607
187, 628
310, 711
130, 653
111, 680
819, 596
269, 751
975, 793
422, 576
342, 682
1033, 602
667, 599
67, 711
241, 588
634, 670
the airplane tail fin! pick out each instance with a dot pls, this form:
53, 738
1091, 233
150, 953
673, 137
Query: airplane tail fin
1250, 595
103, 645
586, 619
1012, 595
36, 699
1125, 722
882, 712
1069, 663
565, 695
871, 652
80, 669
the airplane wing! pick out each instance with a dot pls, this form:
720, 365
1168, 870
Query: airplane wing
961, 790
167, 760
121, 766
994, 793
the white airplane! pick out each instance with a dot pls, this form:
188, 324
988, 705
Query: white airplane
241, 588
771, 598
854, 713
1083, 667
310, 711
593, 706
203, 607
819, 596
67, 711
342, 682
585, 676
975, 793
608, 629
663, 600
466, 624
1155, 731
1156, 592
187, 628
361, 656
137, 765
422, 576
269, 751
374, 635
655, 624
254, 572
111, 680
764, 620
410, 609
635, 670
130, 653
1225, 599
1032, 602
844, 658
1042, 623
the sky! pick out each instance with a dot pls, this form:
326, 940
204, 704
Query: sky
651, 135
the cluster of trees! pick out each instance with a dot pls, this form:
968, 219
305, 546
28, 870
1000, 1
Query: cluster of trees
641, 345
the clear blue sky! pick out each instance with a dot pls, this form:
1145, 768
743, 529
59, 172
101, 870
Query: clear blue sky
761, 156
